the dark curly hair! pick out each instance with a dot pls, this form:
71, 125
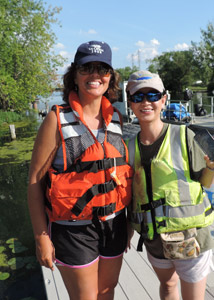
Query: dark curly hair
69, 85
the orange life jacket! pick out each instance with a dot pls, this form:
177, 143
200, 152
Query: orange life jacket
96, 179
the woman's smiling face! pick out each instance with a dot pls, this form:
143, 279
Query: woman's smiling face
147, 111
94, 84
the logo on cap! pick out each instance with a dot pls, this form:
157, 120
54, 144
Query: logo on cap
96, 49
144, 78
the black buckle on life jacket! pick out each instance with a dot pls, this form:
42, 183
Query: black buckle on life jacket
104, 210
152, 205
94, 166
96, 189
161, 223
106, 187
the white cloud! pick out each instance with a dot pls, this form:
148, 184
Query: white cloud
180, 47
90, 31
62, 70
155, 42
59, 46
69, 57
140, 44
115, 48
145, 51
64, 54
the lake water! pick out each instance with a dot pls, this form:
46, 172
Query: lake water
55, 98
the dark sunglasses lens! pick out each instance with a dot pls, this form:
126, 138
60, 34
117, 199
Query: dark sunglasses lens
90, 68
153, 97
137, 98
84, 69
103, 70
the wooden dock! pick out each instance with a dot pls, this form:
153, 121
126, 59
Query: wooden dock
137, 279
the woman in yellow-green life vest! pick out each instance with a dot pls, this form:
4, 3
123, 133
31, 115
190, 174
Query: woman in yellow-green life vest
170, 209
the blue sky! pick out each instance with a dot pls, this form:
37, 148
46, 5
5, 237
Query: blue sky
136, 30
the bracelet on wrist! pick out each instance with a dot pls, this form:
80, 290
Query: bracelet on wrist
210, 168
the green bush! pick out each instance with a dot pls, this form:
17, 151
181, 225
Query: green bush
10, 116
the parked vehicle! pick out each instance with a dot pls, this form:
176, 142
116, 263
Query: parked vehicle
176, 112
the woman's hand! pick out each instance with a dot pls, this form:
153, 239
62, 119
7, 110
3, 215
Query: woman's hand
207, 178
45, 251
209, 163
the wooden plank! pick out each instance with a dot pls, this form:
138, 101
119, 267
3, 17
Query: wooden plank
210, 292
54, 285
209, 295
131, 286
143, 273
119, 293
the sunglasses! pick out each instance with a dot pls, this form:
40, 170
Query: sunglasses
89, 68
151, 97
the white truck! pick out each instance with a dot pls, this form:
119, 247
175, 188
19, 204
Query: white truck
123, 106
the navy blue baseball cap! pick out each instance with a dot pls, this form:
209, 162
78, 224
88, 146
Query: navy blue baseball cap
93, 51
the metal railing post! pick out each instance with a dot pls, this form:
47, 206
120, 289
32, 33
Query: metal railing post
212, 111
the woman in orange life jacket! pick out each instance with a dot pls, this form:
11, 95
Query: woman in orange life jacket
167, 160
80, 147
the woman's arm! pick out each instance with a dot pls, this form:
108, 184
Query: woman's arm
45, 147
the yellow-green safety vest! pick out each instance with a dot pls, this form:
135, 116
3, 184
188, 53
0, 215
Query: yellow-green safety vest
178, 203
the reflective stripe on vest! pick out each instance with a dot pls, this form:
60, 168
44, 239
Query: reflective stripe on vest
71, 127
177, 161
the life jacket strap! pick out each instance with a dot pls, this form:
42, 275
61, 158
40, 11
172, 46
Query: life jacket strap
153, 204
143, 234
104, 210
96, 189
209, 211
140, 243
94, 166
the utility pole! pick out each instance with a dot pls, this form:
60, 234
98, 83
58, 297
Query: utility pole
132, 61
139, 59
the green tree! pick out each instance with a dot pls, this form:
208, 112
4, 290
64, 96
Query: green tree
126, 72
176, 70
27, 65
204, 56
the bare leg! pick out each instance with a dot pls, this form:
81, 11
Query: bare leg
193, 291
109, 270
168, 283
81, 283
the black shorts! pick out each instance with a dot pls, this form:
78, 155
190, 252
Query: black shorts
80, 245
